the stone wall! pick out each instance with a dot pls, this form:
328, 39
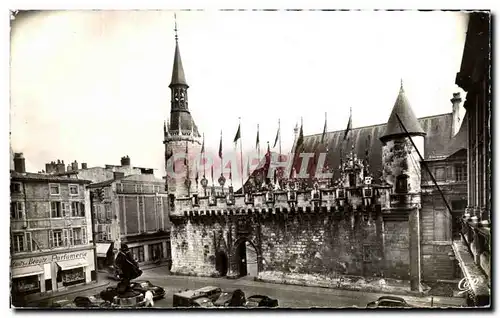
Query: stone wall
299, 244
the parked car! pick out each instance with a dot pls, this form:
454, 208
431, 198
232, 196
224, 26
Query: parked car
388, 302
211, 292
235, 298
143, 286
261, 301
91, 302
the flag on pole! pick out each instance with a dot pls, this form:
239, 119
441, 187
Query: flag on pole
212, 172
277, 134
257, 142
300, 139
220, 145
324, 131
349, 124
203, 144
248, 167
238, 134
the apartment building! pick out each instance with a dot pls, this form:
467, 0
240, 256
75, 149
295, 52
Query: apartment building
51, 233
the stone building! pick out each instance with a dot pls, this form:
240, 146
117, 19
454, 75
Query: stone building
474, 249
51, 247
95, 174
378, 216
133, 210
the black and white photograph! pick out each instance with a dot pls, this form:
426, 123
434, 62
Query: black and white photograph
250, 159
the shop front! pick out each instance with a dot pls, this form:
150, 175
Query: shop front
105, 255
51, 272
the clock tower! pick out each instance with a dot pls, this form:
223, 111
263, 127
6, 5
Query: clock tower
181, 137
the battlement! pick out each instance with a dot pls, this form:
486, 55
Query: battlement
314, 201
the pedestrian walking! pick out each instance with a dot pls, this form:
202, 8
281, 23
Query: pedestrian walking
149, 299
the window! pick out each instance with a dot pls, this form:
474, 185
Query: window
73, 189
54, 189
56, 238
22, 242
460, 172
77, 209
402, 183
440, 175
107, 207
18, 242
55, 209
17, 210
15, 187
138, 253
76, 236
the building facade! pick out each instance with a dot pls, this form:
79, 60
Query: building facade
51, 232
378, 216
133, 210
474, 77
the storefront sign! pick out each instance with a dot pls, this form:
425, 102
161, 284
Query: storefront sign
48, 259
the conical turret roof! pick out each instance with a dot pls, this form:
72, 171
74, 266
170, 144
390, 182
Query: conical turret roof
403, 110
178, 77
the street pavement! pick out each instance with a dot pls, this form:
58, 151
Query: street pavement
289, 296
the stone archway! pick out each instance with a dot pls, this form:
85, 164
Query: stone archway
246, 258
221, 263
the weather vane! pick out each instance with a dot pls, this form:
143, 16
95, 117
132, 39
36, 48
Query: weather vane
175, 26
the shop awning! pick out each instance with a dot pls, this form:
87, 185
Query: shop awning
27, 271
102, 249
75, 263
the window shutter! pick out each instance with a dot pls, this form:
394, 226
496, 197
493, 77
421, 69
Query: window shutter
51, 238
84, 235
71, 237
109, 232
65, 237
13, 210
64, 211
82, 209
29, 242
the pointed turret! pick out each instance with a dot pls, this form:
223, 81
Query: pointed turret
178, 77
403, 110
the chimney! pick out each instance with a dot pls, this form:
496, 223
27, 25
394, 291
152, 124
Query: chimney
50, 167
69, 168
455, 124
84, 165
74, 166
60, 168
19, 163
125, 161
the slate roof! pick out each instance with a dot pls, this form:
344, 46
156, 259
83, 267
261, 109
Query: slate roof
438, 143
402, 109
40, 177
178, 76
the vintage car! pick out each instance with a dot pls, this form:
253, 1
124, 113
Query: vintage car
389, 302
235, 298
261, 301
143, 286
91, 302
202, 297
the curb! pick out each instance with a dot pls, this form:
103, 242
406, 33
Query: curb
351, 288
68, 292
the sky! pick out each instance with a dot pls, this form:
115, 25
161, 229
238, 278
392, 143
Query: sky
92, 86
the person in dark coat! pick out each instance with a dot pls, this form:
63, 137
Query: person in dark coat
128, 266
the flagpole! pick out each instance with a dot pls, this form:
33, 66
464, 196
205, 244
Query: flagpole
258, 147
204, 161
241, 158
279, 137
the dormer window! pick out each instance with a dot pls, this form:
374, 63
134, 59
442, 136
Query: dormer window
402, 183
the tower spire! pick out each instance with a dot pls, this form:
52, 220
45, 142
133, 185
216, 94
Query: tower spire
401, 87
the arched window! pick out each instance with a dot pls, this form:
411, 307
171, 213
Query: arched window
402, 183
